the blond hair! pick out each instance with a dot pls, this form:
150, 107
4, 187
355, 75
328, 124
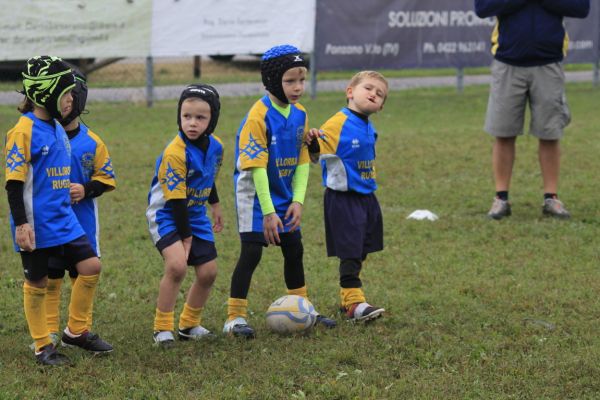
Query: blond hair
362, 75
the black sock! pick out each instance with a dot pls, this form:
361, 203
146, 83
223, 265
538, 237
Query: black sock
550, 196
293, 266
502, 195
250, 255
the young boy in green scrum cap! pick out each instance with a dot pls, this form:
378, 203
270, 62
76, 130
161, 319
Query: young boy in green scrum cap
43, 224
92, 175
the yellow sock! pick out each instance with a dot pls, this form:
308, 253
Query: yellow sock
89, 319
303, 292
53, 304
351, 296
190, 317
236, 308
34, 303
82, 297
164, 321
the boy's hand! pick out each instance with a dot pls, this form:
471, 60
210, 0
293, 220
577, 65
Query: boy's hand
217, 217
271, 226
312, 141
293, 215
25, 237
187, 246
77, 193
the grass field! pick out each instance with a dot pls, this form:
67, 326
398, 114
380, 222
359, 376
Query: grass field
476, 308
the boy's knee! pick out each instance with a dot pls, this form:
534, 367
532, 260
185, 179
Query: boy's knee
176, 270
207, 273
90, 266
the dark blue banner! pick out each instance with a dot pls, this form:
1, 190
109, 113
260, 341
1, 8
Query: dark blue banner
394, 34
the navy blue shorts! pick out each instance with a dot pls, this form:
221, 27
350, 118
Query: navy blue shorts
202, 251
52, 261
287, 238
353, 224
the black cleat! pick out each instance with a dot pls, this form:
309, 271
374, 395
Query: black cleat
87, 341
326, 322
49, 356
363, 312
239, 327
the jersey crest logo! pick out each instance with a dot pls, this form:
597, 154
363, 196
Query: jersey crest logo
173, 179
107, 168
253, 149
14, 158
355, 143
45, 150
87, 163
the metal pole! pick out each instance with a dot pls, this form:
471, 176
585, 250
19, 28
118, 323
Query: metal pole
197, 70
313, 76
313, 61
149, 81
460, 79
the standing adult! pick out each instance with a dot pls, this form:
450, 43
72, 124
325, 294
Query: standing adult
529, 43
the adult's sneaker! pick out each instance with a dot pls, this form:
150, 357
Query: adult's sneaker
553, 207
49, 356
363, 312
87, 341
195, 333
500, 209
239, 327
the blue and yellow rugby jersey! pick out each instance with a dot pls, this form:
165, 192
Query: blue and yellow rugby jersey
90, 161
348, 153
183, 171
268, 140
39, 154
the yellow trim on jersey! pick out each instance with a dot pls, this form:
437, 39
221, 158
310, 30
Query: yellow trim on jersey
100, 159
254, 131
332, 130
172, 172
565, 42
496, 37
17, 152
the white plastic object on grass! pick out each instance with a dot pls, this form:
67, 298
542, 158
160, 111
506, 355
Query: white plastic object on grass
423, 214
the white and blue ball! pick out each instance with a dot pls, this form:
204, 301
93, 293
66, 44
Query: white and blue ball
291, 314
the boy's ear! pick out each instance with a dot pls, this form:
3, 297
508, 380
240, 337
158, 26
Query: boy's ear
349, 94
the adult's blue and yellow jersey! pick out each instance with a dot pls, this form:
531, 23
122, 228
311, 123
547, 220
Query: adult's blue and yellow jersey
348, 153
183, 171
267, 139
38, 154
530, 33
90, 161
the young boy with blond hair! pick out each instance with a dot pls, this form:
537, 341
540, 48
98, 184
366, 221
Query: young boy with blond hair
353, 220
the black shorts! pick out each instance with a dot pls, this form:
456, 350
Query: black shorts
44, 262
202, 251
353, 224
287, 238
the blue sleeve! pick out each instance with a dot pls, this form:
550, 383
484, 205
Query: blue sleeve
494, 8
567, 8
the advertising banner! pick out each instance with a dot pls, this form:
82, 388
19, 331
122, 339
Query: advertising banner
75, 28
393, 34
206, 27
